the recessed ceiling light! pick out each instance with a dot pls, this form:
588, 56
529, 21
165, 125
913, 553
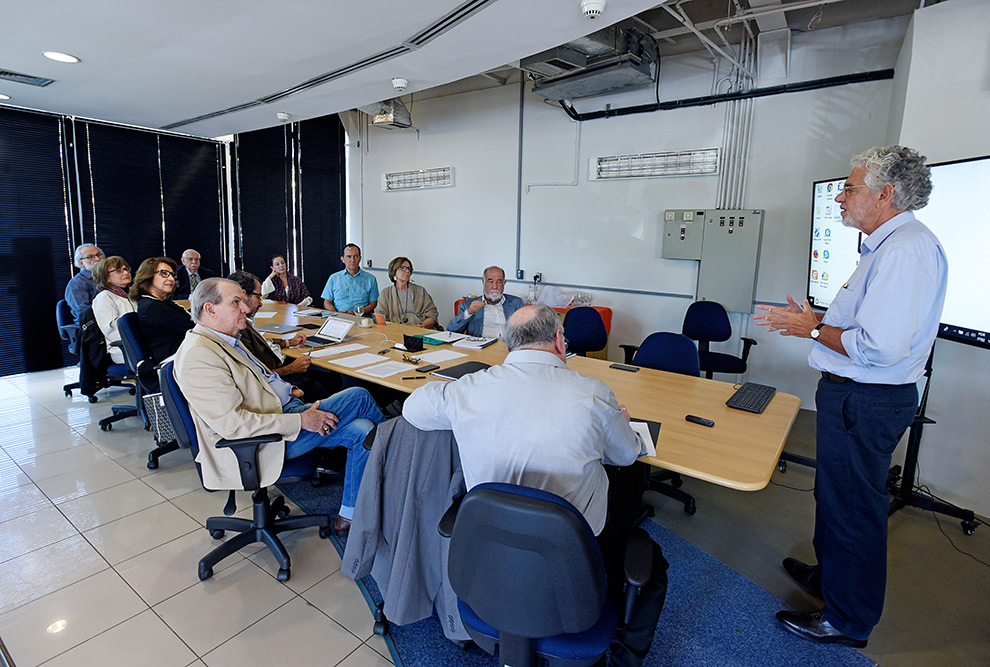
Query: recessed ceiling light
60, 57
4, 97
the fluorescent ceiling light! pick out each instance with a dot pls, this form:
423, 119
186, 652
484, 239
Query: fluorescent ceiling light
60, 57
4, 97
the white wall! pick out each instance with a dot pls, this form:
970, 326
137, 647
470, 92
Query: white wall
943, 113
797, 138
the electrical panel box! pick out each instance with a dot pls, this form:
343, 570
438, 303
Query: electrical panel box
730, 257
682, 233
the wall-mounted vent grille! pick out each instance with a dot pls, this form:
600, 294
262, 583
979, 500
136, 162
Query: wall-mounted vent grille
41, 82
441, 177
699, 162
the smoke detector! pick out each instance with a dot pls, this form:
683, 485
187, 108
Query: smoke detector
400, 84
592, 9
282, 116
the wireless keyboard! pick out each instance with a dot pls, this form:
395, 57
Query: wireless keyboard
751, 397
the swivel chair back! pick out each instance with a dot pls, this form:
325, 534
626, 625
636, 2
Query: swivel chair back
68, 331
530, 579
674, 353
584, 330
137, 355
707, 322
270, 515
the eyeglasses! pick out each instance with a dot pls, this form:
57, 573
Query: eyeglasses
254, 294
165, 274
120, 269
846, 186
407, 269
95, 255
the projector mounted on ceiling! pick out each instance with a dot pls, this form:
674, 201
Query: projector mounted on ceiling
603, 62
389, 115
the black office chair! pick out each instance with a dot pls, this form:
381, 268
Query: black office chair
68, 331
142, 368
674, 353
584, 331
707, 322
530, 579
270, 515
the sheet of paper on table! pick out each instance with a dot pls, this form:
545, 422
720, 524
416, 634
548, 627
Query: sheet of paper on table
440, 356
358, 360
386, 369
338, 349
264, 314
643, 431
446, 336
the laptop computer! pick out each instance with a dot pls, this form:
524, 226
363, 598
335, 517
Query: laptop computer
333, 331
278, 328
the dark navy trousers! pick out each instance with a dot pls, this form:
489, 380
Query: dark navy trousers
859, 426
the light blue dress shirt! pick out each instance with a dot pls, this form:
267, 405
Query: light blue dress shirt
349, 292
890, 308
281, 388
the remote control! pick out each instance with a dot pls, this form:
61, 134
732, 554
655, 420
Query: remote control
700, 420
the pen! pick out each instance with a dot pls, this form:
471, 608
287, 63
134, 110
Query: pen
415, 377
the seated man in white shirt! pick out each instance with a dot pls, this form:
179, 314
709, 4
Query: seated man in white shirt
532, 421
486, 316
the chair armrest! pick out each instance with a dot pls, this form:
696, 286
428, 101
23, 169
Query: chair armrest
246, 451
747, 343
629, 350
638, 566
446, 525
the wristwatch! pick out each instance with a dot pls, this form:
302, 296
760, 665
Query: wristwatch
817, 331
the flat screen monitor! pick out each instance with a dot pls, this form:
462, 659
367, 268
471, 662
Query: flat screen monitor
958, 216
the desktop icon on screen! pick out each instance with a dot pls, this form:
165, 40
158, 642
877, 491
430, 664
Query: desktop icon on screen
828, 232
817, 232
825, 254
814, 274
815, 254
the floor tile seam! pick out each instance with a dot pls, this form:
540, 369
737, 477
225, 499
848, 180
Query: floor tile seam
102, 632
318, 608
251, 625
62, 502
47, 499
356, 649
114, 565
100, 525
44, 546
59, 589
387, 657
77, 470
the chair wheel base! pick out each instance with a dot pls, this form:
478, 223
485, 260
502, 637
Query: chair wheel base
68, 393
92, 399
325, 532
380, 628
131, 391
152, 464
216, 534
690, 509
205, 573
106, 427
283, 574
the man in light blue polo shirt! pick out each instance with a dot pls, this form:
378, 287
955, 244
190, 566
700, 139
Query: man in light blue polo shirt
870, 346
351, 289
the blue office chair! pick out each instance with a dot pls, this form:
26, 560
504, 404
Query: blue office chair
270, 516
707, 322
674, 353
68, 331
137, 355
530, 579
584, 331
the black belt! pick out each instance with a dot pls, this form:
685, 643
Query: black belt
834, 378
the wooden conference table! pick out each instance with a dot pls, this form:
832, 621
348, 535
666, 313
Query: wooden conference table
740, 451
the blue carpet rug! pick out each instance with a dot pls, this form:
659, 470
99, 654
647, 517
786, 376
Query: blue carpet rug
712, 616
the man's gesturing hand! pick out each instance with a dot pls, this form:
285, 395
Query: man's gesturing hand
317, 421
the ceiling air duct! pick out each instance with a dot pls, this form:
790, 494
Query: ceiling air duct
389, 115
605, 61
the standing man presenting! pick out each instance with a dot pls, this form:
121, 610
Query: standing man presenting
495, 308
352, 289
81, 290
190, 275
870, 346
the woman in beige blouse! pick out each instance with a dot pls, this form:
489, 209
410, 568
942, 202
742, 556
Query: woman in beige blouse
405, 302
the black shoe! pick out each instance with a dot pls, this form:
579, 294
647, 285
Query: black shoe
812, 626
808, 576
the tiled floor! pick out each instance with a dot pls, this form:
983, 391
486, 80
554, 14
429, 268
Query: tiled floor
98, 554
98, 557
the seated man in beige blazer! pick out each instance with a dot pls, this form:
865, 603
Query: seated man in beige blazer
232, 395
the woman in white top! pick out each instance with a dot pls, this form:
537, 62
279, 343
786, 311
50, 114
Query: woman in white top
112, 276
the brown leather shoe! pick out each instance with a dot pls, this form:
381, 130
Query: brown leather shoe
813, 626
341, 526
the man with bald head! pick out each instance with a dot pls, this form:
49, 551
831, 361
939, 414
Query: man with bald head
486, 316
533, 421
190, 275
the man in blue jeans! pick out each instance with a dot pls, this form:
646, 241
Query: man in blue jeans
870, 347
232, 395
